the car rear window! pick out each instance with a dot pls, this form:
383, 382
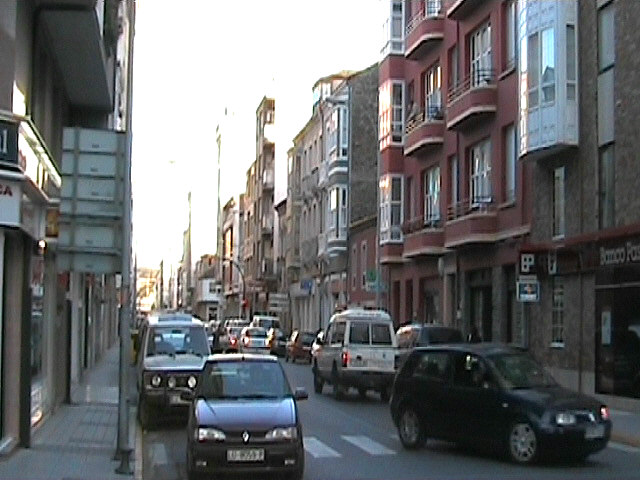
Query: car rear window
442, 335
256, 332
380, 334
359, 333
307, 339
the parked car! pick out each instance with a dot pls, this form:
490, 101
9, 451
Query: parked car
277, 341
496, 396
244, 419
299, 346
358, 350
265, 321
230, 341
172, 354
422, 335
253, 340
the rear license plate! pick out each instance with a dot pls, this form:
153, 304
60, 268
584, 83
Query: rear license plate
246, 455
176, 400
594, 431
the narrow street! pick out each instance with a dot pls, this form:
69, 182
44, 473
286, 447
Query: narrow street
342, 435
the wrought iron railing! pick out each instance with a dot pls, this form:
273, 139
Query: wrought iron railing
468, 206
432, 8
478, 78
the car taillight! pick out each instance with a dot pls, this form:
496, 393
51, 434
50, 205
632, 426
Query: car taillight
245, 340
233, 340
345, 358
604, 412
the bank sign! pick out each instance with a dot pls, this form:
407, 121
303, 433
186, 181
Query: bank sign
624, 254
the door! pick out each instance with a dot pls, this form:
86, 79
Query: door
431, 385
332, 347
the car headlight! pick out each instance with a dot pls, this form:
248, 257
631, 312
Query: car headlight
192, 382
171, 383
288, 433
156, 380
208, 434
565, 418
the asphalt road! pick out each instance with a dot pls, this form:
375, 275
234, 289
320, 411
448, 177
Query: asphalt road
356, 439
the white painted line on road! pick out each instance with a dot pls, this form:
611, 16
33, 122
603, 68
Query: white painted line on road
159, 454
368, 445
317, 449
624, 448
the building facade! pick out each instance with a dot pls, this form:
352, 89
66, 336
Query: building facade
232, 268
53, 324
258, 251
454, 204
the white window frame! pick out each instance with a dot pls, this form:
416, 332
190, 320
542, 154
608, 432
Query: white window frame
480, 61
432, 196
343, 212
539, 91
511, 35
572, 59
391, 129
390, 233
363, 263
559, 198
394, 40
480, 175
510, 162
433, 93
557, 312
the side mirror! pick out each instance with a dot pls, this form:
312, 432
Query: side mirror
187, 396
300, 394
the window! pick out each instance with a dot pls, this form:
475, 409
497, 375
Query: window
480, 156
532, 69
343, 220
391, 113
433, 93
606, 187
380, 334
432, 196
338, 333
433, 366
363, 262
337, 212
359, 333
510, 36
571, 62
557, 313
391, 194
480, 61
354, 266
394, 30
541, 63
510, 163
548, 68
606, 37
558, 203
433, 7
454, 176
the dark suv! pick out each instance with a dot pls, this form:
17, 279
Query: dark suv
422, 335
494, 395
172, 354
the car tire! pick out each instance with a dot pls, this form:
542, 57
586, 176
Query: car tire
522, 442
339, 390
385, 395
146, 415
318, 383
410, 429
362, 392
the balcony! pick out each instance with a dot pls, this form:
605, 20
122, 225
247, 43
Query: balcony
310, 183
471, 221
422, 134
424, 30
266, 226
475, 98
80, 33
422, 238
460, 9
267, 180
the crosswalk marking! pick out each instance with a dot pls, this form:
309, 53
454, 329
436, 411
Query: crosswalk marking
624, 448
317, 449
159, 454
368, 445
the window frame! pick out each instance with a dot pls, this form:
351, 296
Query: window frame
432, 188
510, 25
510, 163
480, 55
433, 108
391, 130
480, 178
389, 232
557, 312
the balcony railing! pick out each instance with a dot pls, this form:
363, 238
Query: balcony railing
477, 79
468, 206
417, 224
433, 113
432, 9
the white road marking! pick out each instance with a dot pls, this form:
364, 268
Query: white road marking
317, 449
159, 454
623, 447
368, 445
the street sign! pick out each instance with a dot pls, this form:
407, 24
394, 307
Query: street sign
528, 290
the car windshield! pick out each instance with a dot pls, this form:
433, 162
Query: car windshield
176, 340
441, 335
244, 379
255, 332
519, 370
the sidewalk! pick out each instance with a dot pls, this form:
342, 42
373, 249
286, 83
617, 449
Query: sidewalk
626, 428
79, 440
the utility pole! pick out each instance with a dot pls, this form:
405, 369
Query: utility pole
124, 449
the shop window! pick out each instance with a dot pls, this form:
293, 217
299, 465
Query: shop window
557, 313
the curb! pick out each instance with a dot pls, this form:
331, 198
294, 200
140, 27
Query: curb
137, 474
630, 440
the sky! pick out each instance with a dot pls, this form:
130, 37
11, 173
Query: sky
200, 64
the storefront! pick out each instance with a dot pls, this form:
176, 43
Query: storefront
617, 315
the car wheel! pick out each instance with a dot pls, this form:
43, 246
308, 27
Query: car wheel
145, 414
522, 442
385, 395
317, 382
410, 429
362, 392
339, 390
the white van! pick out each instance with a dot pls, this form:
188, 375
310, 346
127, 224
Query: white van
266, 321
358, 350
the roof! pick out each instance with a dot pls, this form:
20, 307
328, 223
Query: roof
173, 319
245, 357
363, 314
478, 348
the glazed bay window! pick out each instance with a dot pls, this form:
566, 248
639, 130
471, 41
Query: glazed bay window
433, 93
510, 149
558, 203
391, 113
337, 213
394, 28
432, 196
391, 209
480, 158
480, 61
557, 313
541, 68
